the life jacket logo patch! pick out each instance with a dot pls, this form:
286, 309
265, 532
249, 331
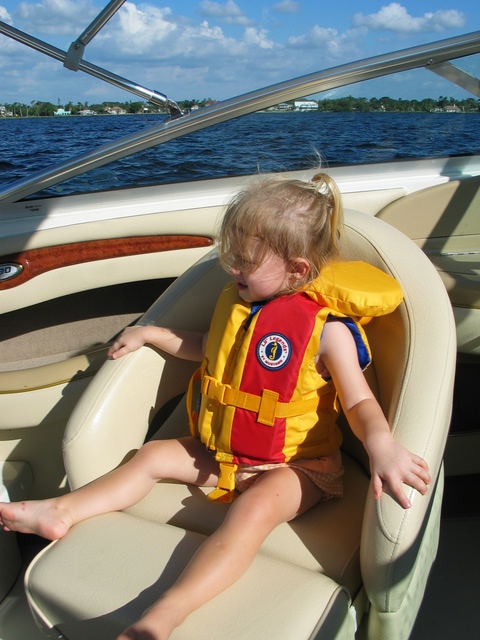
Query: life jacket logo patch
274, 351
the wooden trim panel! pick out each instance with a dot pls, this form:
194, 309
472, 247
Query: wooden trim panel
37, 261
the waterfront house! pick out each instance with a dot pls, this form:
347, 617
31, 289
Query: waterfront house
306, 105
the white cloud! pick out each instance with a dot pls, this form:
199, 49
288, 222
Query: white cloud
139, 30
287, 6
5, 16
316, 37
148, 35
58, 17
258, 37
229, 13
334, 46
394, 17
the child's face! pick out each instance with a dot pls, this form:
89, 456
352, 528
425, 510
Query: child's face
264, 281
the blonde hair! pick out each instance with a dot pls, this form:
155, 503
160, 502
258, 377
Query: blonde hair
291, 218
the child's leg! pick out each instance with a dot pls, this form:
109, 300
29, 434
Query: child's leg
185, 460
277, 496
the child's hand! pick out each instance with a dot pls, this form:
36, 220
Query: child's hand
393, 464
131, 339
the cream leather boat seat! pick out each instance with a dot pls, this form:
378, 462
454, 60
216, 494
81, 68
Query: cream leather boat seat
344, 563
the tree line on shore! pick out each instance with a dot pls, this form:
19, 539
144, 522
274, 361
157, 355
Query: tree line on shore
346, 104
442, 103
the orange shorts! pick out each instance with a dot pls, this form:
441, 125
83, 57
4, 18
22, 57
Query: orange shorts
326, 473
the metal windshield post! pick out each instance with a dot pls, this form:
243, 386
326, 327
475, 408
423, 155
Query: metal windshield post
77, 48
452, 73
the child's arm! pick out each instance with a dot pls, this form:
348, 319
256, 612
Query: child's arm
188, 345
390, 462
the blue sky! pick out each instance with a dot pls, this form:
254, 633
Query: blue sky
208, 49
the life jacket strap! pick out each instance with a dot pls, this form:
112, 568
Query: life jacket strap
266, 406
225, 491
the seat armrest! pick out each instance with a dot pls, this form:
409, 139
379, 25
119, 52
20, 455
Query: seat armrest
113, 415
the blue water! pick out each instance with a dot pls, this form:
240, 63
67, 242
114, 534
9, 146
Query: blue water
259, 142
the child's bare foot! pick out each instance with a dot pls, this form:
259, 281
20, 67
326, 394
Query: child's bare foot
41, 517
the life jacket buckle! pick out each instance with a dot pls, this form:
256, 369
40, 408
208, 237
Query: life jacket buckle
225, 491
214, 389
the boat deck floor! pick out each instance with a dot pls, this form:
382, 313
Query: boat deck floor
449, 611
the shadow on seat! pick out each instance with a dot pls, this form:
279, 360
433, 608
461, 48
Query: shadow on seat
344, 564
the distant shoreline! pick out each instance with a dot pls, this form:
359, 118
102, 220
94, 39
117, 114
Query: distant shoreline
373, 112
347, 104
265, 111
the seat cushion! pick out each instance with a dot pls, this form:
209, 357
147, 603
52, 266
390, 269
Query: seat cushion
326, 539
109, 569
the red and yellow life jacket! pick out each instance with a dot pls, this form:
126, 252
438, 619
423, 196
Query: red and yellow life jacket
262, 398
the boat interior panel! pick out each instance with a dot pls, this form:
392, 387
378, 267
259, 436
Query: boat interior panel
444, 221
